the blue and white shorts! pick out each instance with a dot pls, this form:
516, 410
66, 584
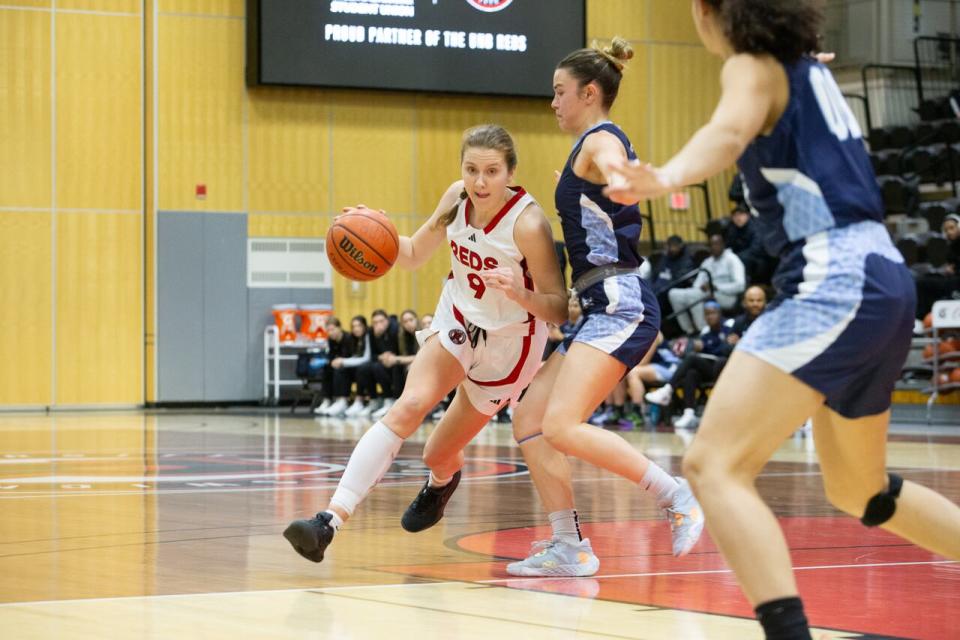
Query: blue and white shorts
844, 319
621, 318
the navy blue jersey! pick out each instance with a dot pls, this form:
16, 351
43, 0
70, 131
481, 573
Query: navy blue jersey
812, 173
596, 230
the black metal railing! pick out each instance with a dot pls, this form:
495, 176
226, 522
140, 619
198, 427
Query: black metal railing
892, 94
938, 66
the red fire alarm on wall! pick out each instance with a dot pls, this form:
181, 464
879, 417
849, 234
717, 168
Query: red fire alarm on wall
201, 192
680, 201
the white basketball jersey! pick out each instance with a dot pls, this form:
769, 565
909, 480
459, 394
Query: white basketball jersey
474, 250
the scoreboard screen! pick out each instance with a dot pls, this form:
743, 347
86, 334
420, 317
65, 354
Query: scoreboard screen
501, 47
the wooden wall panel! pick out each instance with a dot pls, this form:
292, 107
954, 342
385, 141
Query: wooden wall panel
25, 314
25, 108
99, 108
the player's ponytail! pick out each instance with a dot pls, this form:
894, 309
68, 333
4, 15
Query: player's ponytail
447, 219
603, 65
784, 29
484, 136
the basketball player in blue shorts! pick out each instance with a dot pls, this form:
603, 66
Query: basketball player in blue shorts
621, 324
833, 342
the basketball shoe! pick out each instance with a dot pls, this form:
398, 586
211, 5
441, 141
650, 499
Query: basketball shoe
310, 537
685, 517
427, 508
557, 557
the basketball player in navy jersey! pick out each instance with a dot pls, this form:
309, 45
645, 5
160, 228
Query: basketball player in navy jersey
833, 342
620, 326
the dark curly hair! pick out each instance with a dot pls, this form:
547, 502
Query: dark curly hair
785, 29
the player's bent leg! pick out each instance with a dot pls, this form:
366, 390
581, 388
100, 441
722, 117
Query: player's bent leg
443, 454
741, 429
432, 375
572, 400
852, 456
549, 469
566, 553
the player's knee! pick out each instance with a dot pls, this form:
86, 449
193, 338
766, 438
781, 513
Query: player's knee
524, 423
695, 465
874, 503
703, 466
559, 433
407, 413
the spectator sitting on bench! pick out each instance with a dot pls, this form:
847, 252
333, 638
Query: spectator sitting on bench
703, 359
945, 282
728, 278
373, 373
353, 350
742, 238
754, 303
675, 262
659, 371
397, 364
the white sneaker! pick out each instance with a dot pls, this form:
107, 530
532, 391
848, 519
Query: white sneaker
557, 558
382, 411
686, 519
322, 408
660, 396
354, 409
373, 405
337, 408
687, 421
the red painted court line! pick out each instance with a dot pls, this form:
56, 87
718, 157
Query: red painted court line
852, 578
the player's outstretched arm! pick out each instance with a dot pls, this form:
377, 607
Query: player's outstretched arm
416, 250
749, 86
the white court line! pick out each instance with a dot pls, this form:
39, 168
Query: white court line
443, 583
710, 571
167, 596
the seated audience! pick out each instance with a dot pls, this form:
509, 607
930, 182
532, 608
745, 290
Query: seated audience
703, 359
726, 273
944, 283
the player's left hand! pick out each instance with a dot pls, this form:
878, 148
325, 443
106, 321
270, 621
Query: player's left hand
640, 181
506, 280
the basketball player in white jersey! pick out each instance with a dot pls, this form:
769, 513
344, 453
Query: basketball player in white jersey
484, 341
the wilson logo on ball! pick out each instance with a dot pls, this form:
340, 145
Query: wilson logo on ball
489, 5
357, 255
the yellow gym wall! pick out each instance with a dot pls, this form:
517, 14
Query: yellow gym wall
81, 81
71, 206
292, 158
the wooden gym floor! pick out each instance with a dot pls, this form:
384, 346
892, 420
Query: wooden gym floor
167, 525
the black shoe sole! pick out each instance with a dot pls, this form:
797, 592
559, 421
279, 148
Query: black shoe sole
303, 537
408, 521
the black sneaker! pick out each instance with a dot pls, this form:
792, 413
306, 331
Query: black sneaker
426, 509
310, 538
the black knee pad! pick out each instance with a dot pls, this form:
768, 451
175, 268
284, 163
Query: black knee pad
883, 505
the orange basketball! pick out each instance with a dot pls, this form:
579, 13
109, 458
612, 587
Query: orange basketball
955, 375
362, 245
928, 320
928, 352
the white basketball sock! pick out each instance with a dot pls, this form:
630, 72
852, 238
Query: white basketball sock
437, 483
370, 459
335, 520
660, 483
566, 525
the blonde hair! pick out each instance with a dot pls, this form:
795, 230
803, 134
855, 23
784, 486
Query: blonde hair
484, 136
